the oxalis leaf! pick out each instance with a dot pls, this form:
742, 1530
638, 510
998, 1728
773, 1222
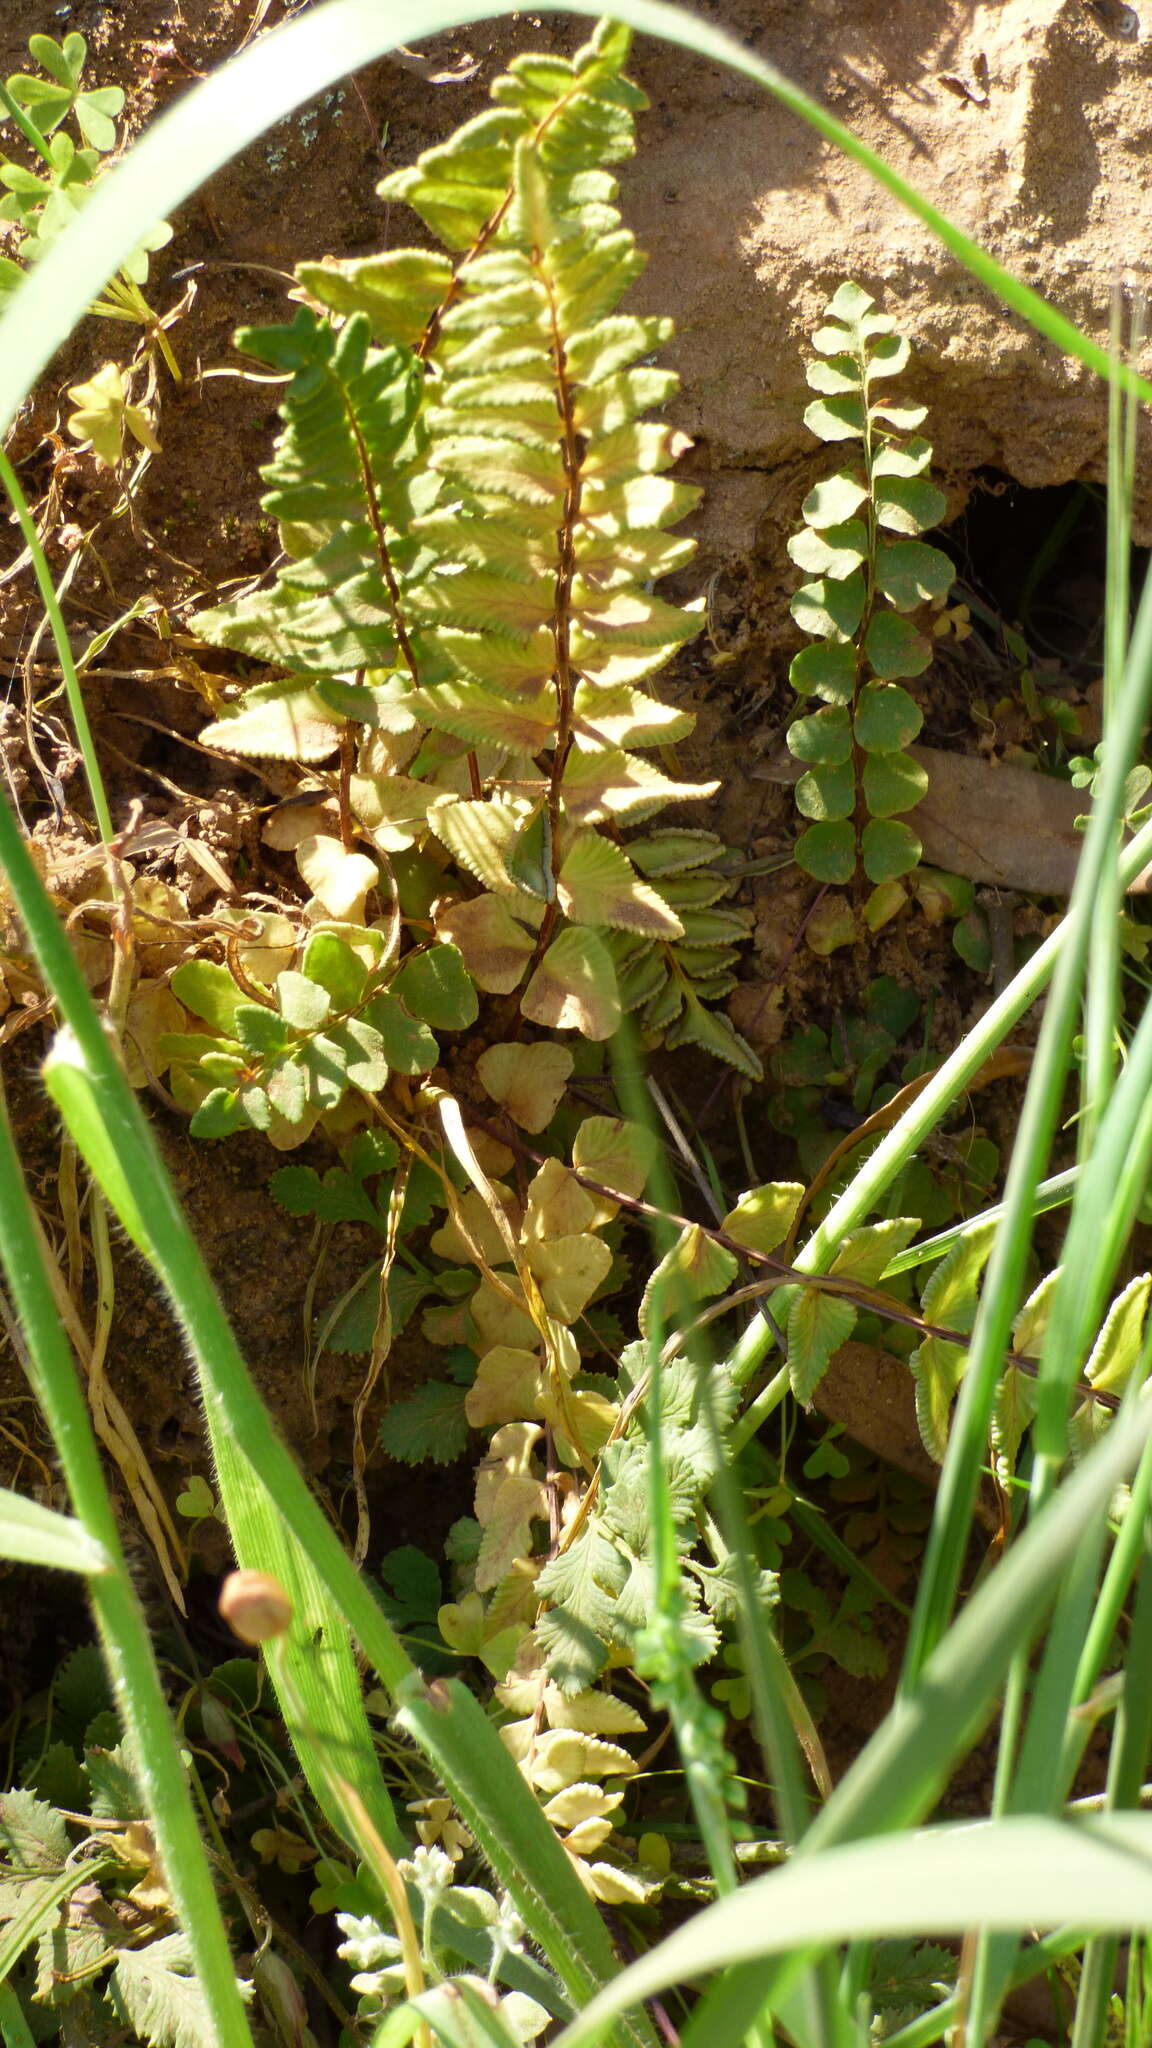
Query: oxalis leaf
574, 987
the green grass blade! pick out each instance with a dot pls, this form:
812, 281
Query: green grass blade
122, 1628
55, 617
34, 1534
1005, 1874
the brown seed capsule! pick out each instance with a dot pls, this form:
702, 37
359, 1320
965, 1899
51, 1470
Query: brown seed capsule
255, 1606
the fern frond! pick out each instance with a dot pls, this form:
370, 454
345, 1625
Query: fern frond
341, 489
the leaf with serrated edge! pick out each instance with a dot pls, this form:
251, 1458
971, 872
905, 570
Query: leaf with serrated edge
155, 1990
866, 1254
818, 1324
481, 836
527, 1080
277, 721
598, 885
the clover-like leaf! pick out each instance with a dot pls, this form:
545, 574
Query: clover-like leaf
836, 499
527, 1080
892, 783
435, 986
829, 672
574, 987
835, 419
835, 551
909, 504
104, 413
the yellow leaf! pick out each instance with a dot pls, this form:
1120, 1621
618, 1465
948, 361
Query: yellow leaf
569, 1270
594, 1713
616, 1153
565, 1757
528, 1080
473, 1216
339, 880
508, 1385
500, 1321
762, 1218
581, 1802
574, 987
557, 1204
496, 948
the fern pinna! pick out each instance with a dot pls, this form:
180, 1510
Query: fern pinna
474, 510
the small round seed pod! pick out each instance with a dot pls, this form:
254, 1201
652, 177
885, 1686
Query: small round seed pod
255, 1606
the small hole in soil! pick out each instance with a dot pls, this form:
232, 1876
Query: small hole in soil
1036, 561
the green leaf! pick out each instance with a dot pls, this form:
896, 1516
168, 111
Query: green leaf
893, 647
825, 736
218, 1115
891, 783
834, 552
909, 574
409, 1046
261, 1030
427, 1427
303, 1003
574, 1655
909, 504
866, 1254
907, 458
818, 1323
827, 793
763, 1217
835, 419
599, 886
886, 719
154, 1991
285, 721
887, 849
331, 963
831, 611
33, 1534
362, 1049
827, 852
399, 290
828, 672
835, 500
209, 991
436, 987
529, 857
835, 375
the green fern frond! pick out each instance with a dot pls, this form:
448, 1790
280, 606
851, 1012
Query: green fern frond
345, 488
